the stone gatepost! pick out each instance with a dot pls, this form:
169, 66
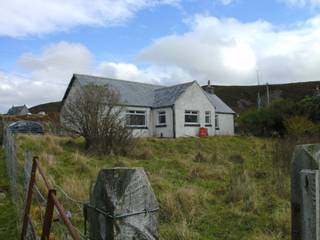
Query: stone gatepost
304, 157
310, 211
123, 206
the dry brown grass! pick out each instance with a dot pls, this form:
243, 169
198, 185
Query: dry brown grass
207, 172
266, 236
282, 221
186, 204
77, 188
242, 189
183, 232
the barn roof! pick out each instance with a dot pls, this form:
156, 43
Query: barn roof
146, 95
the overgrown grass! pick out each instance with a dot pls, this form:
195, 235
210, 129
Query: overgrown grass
210, 188
8, 212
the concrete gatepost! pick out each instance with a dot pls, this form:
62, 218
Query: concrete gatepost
304, 157
123, 206
310, 211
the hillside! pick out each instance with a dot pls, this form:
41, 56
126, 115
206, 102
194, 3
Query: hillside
52, 109
213, 188
240, 98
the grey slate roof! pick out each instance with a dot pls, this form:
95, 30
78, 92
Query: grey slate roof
221, 107
132, 93
148, 95
166, 96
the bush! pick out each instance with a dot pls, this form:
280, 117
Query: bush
299, 126
258, 122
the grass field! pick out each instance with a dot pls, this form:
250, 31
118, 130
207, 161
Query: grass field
212, 188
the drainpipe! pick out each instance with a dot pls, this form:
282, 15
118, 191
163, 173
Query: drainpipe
173, 122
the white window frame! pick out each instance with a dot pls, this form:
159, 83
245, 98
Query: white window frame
207, 114
161, 114
216, 122
137, 113
191, 113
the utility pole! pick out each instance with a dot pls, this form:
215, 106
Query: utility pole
268, 93
258, 97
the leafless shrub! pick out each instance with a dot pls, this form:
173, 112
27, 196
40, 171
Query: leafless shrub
95, 112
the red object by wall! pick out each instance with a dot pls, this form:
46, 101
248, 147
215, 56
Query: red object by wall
203, 132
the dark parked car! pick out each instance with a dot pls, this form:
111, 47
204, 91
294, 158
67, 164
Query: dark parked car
26, 127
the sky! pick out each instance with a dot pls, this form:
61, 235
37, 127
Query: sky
43, 42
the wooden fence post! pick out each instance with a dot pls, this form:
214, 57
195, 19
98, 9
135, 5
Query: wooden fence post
304, 157
123, 206
29, 199
48, 215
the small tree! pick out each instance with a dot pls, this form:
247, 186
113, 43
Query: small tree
95, 112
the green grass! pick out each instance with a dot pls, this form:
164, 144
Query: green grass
210, 188
8, 212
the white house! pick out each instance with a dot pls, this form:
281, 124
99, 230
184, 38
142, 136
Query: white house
18, 110
165, 111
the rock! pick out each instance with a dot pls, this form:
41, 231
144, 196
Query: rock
129, 206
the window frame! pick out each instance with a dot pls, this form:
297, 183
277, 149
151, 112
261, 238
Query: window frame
136, 113
207, 114
216, 122
191, 113
161, 114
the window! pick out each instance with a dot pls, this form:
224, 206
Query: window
216, 121
162, 118
207, 117
191, 117
136, 118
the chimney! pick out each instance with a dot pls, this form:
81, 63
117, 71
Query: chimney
210, 89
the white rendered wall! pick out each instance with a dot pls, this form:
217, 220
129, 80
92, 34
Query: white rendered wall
166, 131
193, 99
226, 124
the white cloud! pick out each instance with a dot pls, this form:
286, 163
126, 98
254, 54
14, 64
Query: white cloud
228, 51
156, 75
51, 70
21, 18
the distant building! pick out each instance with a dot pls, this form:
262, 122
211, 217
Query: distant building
18, 110
43, 113
164, 111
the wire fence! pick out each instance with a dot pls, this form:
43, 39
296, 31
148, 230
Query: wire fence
18, 181
19, 173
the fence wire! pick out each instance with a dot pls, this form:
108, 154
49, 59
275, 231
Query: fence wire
19, 177
18, 181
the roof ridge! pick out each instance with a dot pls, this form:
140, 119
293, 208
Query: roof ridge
180, 84
115, 79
